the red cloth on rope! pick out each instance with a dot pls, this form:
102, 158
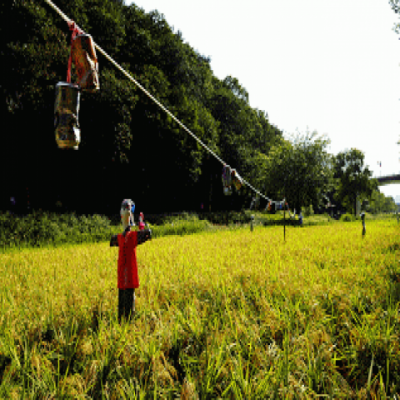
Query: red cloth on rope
75, 32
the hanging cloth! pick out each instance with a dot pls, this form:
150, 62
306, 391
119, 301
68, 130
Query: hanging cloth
291, 216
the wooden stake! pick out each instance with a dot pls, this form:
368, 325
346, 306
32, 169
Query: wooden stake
284, 223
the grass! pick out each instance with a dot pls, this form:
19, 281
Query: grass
231, 314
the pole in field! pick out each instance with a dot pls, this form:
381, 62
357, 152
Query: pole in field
363, 223
284, 222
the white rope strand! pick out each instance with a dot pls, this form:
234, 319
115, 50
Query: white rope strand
156, 101
68, 20
63, 16
255, 190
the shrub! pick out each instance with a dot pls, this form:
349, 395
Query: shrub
347, 218
39, 228
308, 211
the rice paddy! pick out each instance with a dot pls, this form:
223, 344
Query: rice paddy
229, 314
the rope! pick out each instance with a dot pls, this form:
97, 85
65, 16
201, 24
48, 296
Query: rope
69, 21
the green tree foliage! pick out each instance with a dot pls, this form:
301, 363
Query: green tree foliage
299, 170
380, 203
353, 180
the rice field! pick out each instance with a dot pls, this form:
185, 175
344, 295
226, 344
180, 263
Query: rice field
229, 314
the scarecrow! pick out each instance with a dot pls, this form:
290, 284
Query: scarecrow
127, 241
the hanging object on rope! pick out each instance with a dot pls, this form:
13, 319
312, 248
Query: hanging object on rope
75, 32
83, 54
227, 191
230, 177
85, 60
237, 180
66, 112
227, 179
66, 105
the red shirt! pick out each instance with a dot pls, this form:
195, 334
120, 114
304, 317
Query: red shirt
127, 267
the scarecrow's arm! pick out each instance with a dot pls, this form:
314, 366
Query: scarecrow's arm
114, 241
144, 235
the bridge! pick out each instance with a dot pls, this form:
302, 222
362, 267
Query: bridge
388, 179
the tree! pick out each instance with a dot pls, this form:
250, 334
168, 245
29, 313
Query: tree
381, 204
395, 4
352, 179
390, 204
300, 170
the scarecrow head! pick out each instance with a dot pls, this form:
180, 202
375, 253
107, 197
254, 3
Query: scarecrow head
127, 209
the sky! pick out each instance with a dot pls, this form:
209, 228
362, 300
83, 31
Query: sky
330, 66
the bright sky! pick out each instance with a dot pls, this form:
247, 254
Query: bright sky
332, 66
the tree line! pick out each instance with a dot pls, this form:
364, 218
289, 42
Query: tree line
130, 147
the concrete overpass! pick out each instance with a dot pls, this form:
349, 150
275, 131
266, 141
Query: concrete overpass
388, 179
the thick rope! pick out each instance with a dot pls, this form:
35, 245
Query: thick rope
69, 21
